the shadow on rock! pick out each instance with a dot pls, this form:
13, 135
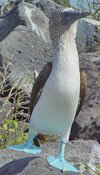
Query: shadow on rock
16, 166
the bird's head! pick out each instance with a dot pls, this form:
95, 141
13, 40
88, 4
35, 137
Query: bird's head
62, 20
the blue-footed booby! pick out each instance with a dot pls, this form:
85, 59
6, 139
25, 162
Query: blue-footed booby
56, 108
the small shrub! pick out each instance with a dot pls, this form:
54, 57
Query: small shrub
95, 170
11, 133
65, 3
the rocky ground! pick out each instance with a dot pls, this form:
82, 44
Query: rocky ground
82, 154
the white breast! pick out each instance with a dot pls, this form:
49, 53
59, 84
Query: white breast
56, 108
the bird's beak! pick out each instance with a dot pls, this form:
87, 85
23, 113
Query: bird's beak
69, 17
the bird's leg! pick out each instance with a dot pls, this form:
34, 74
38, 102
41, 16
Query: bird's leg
27, 147
62, 149
59, 161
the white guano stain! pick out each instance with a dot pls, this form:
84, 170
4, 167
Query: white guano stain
40, 33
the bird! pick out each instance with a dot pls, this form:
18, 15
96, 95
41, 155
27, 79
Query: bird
56, 108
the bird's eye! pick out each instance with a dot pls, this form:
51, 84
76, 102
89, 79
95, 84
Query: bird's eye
62, 15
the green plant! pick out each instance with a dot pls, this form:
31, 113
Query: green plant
95, 170
11, 133
65, 3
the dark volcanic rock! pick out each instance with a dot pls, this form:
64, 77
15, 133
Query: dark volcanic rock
92, 130
47, 6
79, 153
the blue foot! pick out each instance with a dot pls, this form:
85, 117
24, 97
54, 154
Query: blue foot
61, 164
26, 148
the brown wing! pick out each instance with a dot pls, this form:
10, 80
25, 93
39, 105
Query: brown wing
83, 87
38, 85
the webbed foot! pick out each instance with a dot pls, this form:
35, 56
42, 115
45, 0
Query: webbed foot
61, 163
27, 147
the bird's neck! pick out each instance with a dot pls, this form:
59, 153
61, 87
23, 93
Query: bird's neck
65, 51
